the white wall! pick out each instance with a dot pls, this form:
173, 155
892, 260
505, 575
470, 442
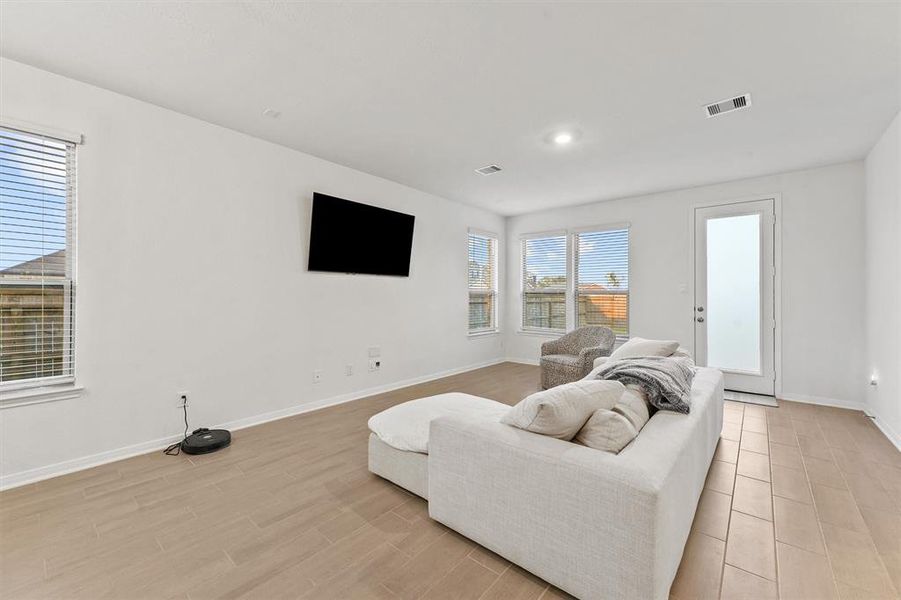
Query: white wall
883, 280
191, 276
822, 272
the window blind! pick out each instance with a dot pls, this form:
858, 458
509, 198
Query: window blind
544, 282
37, 184
482, 283
602, 279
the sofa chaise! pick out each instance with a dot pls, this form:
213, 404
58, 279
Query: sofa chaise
594, 524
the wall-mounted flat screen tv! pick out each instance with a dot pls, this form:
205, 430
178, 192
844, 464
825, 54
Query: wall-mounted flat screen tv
349, 237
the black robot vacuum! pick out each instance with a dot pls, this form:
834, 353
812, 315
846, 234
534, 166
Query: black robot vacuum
204, 441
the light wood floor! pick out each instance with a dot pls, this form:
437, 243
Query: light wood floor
801, 501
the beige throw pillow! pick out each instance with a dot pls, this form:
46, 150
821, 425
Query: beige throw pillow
561, 411
614, 429
637, 347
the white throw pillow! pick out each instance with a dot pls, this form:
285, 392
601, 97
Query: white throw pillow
637, 347
682, 353
614, 429
561, 411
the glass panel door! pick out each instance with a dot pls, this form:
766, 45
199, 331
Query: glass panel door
733, 293
734, 310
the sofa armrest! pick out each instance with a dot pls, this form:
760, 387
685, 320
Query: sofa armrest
580, 518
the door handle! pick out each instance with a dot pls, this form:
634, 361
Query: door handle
700, 309
700, 319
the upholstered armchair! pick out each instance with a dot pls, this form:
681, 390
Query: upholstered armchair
570, 357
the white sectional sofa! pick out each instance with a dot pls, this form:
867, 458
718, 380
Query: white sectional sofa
595, 524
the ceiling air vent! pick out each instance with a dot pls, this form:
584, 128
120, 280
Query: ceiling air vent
489, 170
724, 106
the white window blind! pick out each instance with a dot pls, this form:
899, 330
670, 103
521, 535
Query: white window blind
602, 279
37, 288
544, 282
482, 283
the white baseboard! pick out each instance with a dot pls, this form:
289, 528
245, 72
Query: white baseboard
349, 397
885, 428
822, 401
522, 361
108, 456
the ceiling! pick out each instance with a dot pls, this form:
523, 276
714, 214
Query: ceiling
424, 93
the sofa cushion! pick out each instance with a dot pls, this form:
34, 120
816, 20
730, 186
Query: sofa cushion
637, 347
406, 426
561, 411
563, 359
614, 429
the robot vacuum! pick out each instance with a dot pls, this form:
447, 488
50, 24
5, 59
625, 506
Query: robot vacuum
204, 441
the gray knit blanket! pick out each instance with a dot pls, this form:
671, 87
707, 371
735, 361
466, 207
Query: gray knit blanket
666, 381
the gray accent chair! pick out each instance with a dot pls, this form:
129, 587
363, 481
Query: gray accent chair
571, 357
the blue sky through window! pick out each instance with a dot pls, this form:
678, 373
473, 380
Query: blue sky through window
603, 258
33, 183
545, 261
480, 262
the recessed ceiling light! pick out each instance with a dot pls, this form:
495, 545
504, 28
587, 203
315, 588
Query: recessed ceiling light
272, 113
563, 138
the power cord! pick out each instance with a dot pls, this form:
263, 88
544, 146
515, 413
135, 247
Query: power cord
175, 449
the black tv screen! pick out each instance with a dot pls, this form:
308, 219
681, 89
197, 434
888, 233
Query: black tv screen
349, 237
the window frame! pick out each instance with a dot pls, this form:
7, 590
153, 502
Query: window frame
54, 387
570, 292
523, 328
574, 236
493, 291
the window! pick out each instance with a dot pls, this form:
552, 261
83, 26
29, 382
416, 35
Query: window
482, 283
544, 282
602, 279
37, 287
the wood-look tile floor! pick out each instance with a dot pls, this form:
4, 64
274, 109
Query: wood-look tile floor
801, 501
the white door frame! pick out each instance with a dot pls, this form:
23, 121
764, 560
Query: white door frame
777, 280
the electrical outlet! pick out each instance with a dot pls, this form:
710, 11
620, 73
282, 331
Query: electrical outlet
348, 370
375, 352
317, 376
375, 364
182, 400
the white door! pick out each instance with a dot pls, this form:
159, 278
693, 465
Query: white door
734, 309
